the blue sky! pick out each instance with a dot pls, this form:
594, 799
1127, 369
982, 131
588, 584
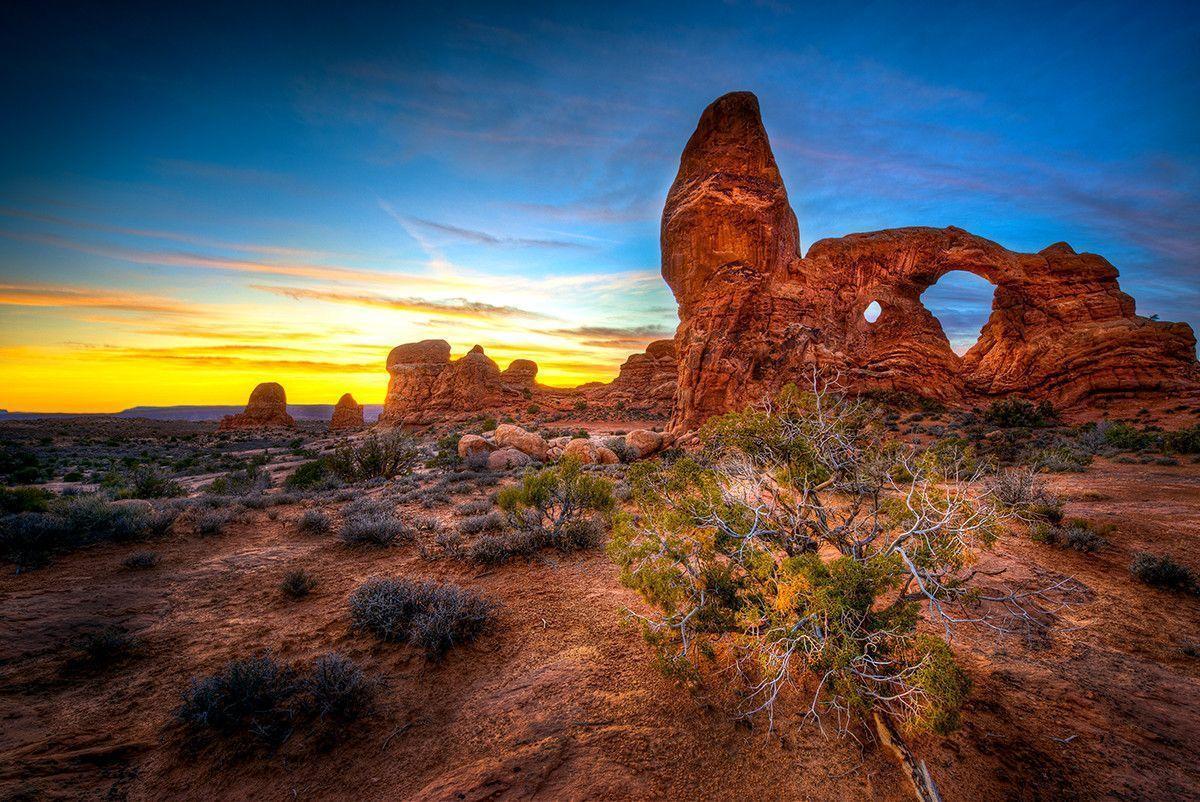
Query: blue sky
196, 200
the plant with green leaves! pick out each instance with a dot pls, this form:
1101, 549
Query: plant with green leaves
561, 502
805, 548
381, 454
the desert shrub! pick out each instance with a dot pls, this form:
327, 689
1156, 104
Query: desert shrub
311, 475
445, 451
1162, 571
788, 551
1058, 459
73, 522
248, 698
149, 483
337, 689
556, 497
106, 647
380, 455
1125, 437
495, 548
251, 479
1183, 441
1076, 534
298, 583
1014, 413
625, 452
213, 522
23, 499
488, 522
142, 561
475, 506
314, 522
368, 521
428, 614
1023, 492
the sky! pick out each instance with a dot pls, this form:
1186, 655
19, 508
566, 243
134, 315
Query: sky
196, 200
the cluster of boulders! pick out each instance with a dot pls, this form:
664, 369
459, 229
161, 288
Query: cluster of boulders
510, 446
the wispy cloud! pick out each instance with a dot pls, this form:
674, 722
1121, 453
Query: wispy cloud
236, 265
62, 296
161, 234
484, 238
452, 307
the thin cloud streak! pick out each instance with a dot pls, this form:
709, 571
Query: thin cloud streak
453, 307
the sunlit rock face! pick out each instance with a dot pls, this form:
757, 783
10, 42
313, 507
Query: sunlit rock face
645, 383
347, 414
267, 408
754, 315
426, 384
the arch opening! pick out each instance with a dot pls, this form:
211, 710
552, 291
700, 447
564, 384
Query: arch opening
962, 303
872, 312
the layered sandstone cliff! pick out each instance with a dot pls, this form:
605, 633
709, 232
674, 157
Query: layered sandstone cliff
267, 408
755, 315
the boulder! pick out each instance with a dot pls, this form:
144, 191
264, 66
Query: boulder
528, 442
267, 408
348, 414
582, 449
504, 458
606, 456
471, 444
644, 442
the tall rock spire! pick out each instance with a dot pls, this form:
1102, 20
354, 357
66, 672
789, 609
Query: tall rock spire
728, 209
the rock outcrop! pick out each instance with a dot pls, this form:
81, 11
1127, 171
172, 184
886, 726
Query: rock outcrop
754, 315
426, 384
267, 408
347, 415
646, 382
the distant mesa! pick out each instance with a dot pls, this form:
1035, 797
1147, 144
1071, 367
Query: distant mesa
266, 409
754, 315
347, 415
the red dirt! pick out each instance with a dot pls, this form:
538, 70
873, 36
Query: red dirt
560, 700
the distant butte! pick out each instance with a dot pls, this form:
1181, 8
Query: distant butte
347, 414
754, 315
266, 409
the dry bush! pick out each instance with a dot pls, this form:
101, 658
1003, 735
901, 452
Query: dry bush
298, 583
432, 615
372, 522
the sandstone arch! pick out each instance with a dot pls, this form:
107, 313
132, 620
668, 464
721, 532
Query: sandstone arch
755, 315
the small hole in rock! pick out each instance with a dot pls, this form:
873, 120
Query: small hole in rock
872, 312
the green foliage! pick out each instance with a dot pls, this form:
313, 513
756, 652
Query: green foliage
23, 499
384, 454
33, 538
1183, 441
1013, 413
789, 539
556, 498
1162, 571
310, 475
1125, 437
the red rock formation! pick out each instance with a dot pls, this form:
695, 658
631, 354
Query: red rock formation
426, 384
646, 382
266, 408
755, 315
348, 414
